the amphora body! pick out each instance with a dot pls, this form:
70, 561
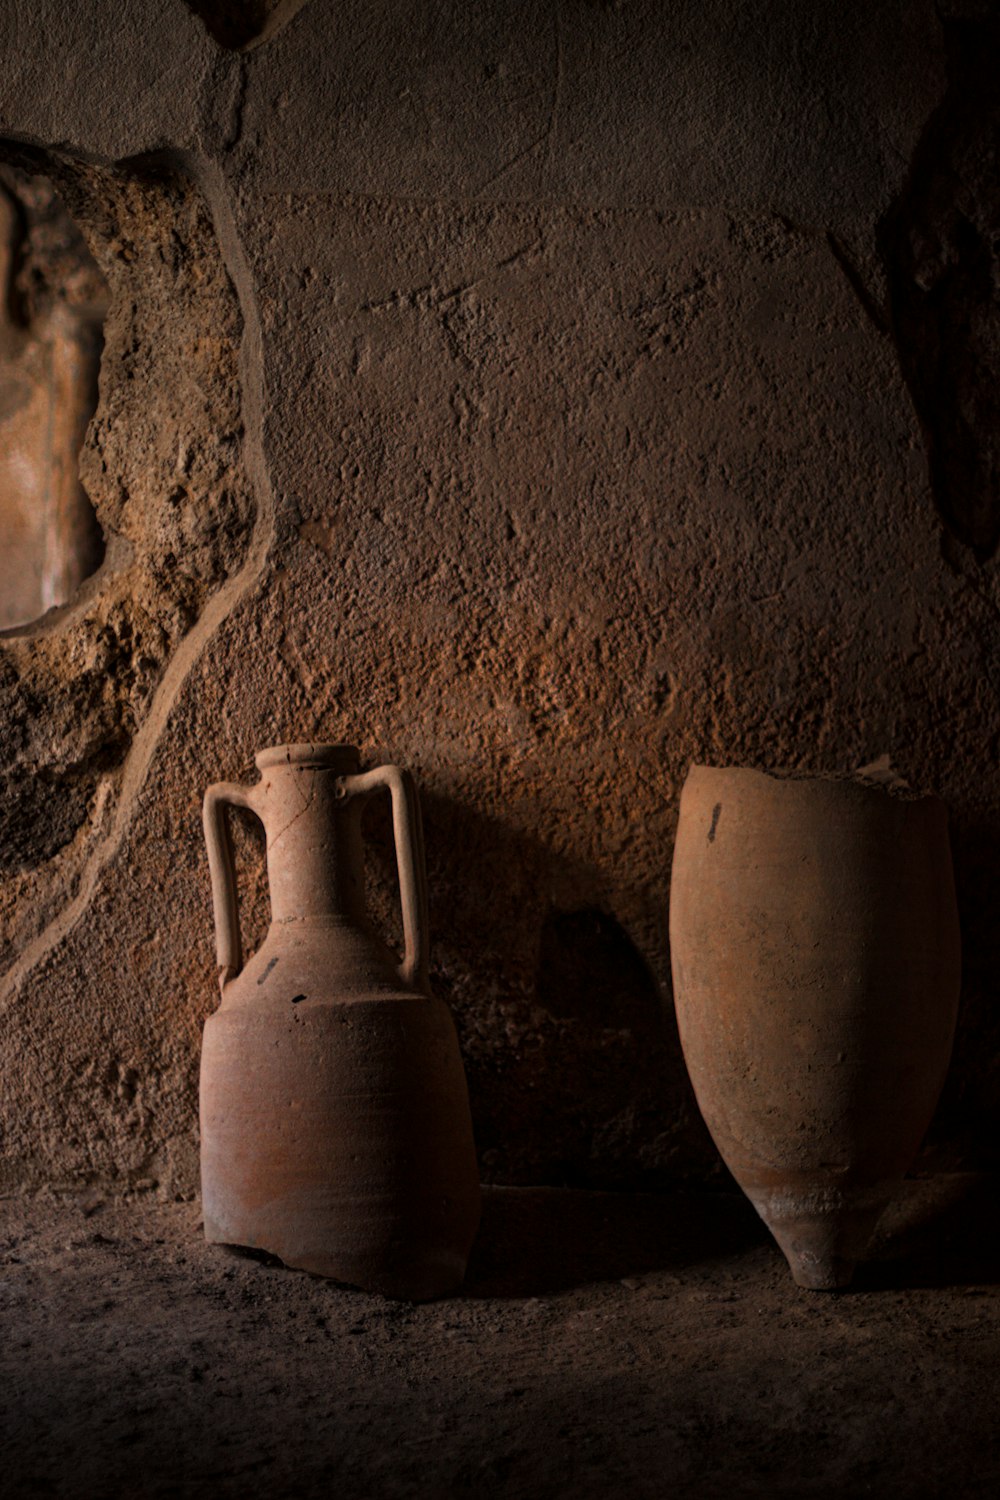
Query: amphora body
815, 952
335, 1126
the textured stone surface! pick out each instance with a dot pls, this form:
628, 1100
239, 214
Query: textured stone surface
811, 111
509, 392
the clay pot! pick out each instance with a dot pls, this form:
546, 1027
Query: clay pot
335, 1126
815, 952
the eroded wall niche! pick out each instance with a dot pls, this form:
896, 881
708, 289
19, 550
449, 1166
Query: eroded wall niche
162, 465
242, 24
52, 305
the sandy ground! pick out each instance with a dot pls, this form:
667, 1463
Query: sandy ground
606, 1345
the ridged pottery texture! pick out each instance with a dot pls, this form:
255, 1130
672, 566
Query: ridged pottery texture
335, 1126
815, 953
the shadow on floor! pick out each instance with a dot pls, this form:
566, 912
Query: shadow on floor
536, 1241
939, 1232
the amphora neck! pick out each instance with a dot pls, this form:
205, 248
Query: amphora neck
315, 862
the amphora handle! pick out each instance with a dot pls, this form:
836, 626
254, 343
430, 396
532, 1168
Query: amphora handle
408, 832
228, 945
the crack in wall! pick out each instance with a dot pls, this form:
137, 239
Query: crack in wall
235, 134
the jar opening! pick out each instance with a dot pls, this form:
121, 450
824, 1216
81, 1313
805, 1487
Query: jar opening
343, 758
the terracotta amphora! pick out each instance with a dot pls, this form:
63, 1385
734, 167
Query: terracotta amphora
815, 952
335, 1126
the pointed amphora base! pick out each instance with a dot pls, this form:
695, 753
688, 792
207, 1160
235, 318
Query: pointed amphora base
822, 1235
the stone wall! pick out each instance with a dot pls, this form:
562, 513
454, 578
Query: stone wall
533, 394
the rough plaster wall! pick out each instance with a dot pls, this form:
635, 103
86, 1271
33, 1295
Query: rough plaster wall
579, 448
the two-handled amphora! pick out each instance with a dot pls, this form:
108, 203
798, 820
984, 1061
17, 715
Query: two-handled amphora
335, 1126
815, 952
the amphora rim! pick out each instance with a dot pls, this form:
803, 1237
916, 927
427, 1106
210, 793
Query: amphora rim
314, 755
850, 782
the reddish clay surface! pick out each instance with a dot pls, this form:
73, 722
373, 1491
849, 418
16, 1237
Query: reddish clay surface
335, 1127
815, 949
605, 1345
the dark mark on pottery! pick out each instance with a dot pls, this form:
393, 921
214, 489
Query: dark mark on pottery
715, 822
297, 998
267, 971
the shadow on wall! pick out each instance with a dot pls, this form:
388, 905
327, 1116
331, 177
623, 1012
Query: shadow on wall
968, 1117
572, 1053
941, 247
574, 1063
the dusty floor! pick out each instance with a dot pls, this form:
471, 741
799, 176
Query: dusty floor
606, 1345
